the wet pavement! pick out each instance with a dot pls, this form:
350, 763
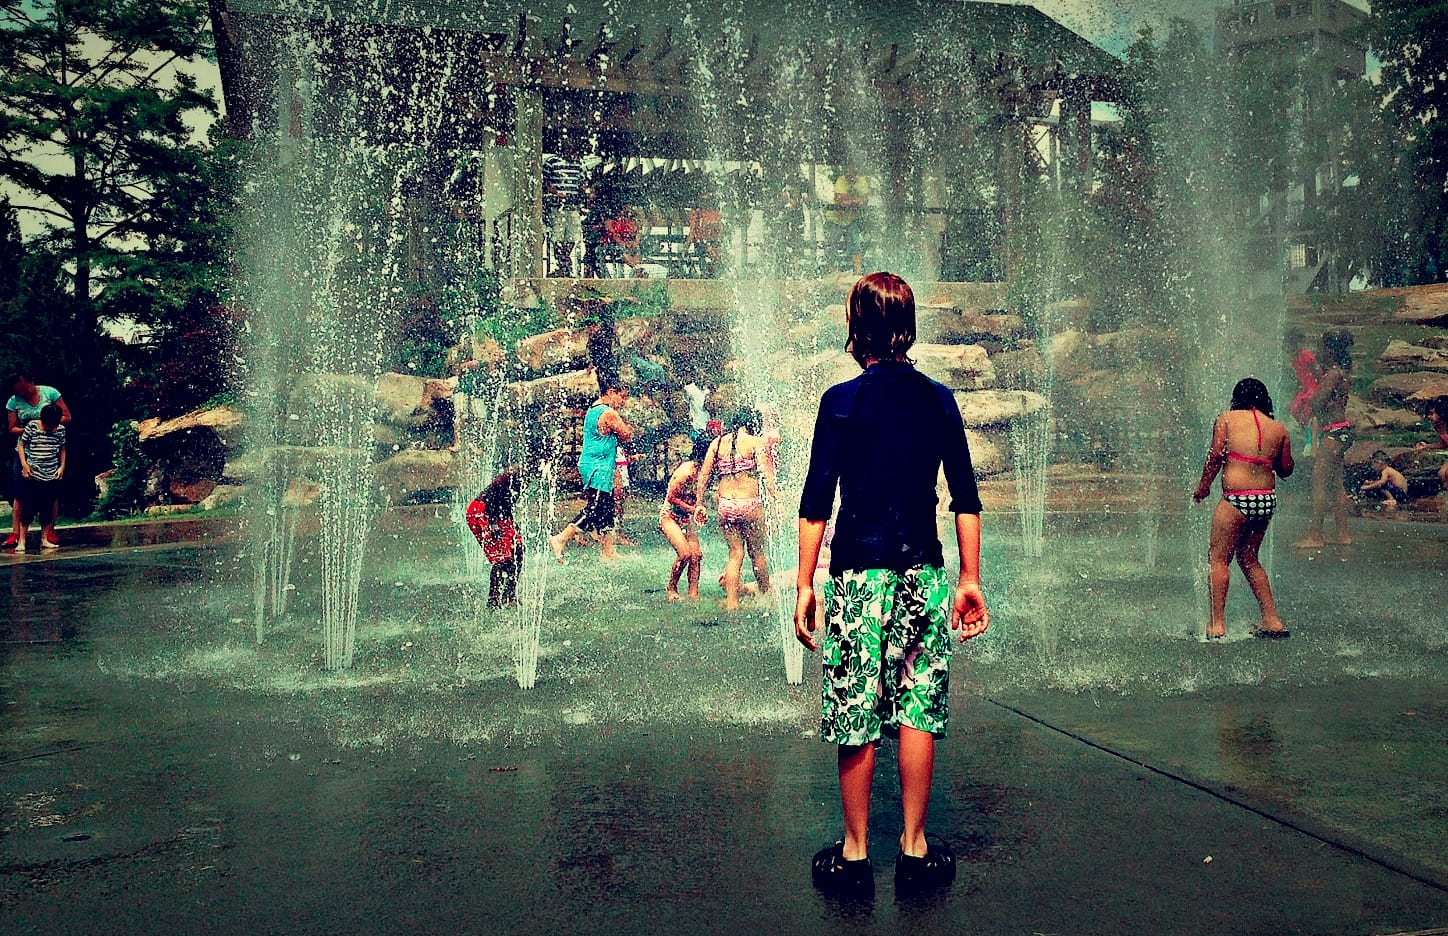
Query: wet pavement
158, 771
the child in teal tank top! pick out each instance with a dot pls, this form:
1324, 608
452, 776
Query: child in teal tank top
603, 430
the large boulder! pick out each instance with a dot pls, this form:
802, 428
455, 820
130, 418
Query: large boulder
221, 496
987, 454
411, 472
227, 423
948, 325
560, 348
959, 367
575, 388
1401, 356
982, 408
1366, 416
1074, 353
404, 401
1420, 400
189, 491
1022, 368
1394, 390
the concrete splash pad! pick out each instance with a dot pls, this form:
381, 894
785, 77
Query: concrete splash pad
662, 777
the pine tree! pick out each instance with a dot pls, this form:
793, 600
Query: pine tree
94, 110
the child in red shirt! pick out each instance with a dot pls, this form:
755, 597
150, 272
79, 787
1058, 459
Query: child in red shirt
490, 517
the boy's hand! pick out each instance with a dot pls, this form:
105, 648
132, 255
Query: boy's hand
60, 472
1201, 494
804, 617
24, 471
969, 614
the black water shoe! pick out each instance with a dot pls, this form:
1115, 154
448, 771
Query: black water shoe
932, 871
837, 877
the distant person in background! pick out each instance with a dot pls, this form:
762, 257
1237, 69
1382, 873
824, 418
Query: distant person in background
27, 400
788, 223
1329, 410
603, 431
706, 234
490, 518
852, 197
1251, 450
698, 413
562, 204
1307, 368
679, 521
1438, 419
622, 239
1391, 482
41, 451
620, 495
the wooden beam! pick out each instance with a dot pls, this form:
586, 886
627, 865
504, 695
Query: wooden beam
884, 61
597, 47
563, 48
663, 47
520, 35
905, 66
630, 46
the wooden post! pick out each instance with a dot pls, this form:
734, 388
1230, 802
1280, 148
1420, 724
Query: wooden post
528, 252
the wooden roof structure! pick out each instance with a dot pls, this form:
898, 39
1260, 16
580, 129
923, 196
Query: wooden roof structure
634, 74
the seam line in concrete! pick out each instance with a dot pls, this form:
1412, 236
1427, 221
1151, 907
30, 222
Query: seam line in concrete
1240, 804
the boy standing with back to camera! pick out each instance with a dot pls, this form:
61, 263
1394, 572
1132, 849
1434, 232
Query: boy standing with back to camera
882, 439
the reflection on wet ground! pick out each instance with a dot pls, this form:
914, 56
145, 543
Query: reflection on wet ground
663, 777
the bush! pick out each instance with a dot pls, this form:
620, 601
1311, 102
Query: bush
126, 492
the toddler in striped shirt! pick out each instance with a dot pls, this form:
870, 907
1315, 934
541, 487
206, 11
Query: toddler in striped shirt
42, 465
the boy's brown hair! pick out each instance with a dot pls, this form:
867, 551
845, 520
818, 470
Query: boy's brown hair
880, 317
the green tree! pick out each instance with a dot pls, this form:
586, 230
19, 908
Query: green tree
1410, 40
94, 130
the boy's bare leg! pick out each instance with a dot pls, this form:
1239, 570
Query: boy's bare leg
857, 772
47, 526
917, 769
606, 549
559, 541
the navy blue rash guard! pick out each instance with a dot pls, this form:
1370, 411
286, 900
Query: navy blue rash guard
882, 438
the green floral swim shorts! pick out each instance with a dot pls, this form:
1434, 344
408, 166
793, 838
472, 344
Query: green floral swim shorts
886, 654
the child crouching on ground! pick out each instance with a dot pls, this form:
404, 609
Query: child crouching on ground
490, 517
882, 439
1391, 482
42, 464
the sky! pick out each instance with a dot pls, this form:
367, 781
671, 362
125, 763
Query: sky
1112, 24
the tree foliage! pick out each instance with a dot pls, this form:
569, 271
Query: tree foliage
94, 111
1410, 40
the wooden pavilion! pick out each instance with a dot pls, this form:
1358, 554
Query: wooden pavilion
748, 83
